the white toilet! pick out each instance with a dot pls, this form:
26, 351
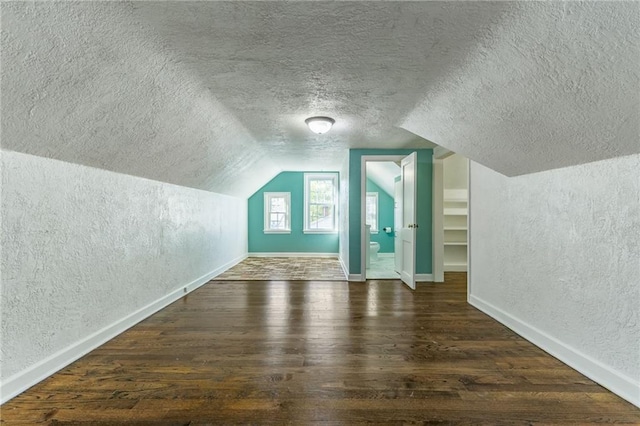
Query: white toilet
374, 248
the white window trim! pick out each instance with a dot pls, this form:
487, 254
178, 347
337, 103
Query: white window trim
267, 204
374, 231
307, 178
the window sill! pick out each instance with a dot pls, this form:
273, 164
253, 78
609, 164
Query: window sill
277, 231
322, 231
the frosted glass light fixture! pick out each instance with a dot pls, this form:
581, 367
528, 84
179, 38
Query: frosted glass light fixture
319, 125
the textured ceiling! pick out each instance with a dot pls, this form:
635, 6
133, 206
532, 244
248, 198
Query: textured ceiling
557, 84
213, 95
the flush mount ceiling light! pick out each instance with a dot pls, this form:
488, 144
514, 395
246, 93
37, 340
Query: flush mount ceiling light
319, 125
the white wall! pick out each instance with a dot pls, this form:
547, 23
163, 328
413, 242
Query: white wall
455, 170
556, 257
343, 249
85, 251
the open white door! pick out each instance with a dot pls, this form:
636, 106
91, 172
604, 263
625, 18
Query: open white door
409, 226
397, 226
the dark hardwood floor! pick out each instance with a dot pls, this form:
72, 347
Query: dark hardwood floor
298, 353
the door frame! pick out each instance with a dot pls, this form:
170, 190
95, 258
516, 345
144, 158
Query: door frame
363, 200
439, 154
397, 218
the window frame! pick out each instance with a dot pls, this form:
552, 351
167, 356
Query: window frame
267, 212
308, 177
374, 194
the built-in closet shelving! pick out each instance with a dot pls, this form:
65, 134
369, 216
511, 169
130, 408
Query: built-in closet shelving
455, 230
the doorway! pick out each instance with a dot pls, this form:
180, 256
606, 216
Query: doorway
381, 219
384, 235
451, 225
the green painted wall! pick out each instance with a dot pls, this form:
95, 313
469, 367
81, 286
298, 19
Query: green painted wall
297, 241
423, 209
385, 218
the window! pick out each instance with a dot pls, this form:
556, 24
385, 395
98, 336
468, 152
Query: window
277, 208
372, 211
320, 200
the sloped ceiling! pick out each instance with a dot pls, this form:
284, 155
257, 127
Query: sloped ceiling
213, 95
383, 174
557, 84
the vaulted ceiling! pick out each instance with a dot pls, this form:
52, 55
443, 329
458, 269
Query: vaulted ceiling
213, 95
383, 174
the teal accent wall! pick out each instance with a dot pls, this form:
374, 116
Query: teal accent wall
385, 218
297, 241
424, 187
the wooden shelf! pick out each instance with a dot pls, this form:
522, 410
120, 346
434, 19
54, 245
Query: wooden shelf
455, 230
455, 212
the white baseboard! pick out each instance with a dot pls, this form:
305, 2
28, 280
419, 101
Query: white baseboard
343, 265
621, 385
23, 380
421, 278
455, 268
386, 254
294, 254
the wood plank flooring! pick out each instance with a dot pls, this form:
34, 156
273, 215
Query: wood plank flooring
287, 352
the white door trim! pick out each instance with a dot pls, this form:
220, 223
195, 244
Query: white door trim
439, 154
469, 230
397, 220
363, 200
438, 220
